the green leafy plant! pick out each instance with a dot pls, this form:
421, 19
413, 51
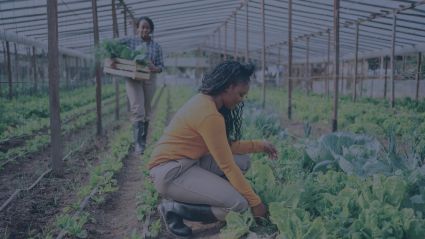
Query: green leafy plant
73, 225
296, 223
112, 48
237, 225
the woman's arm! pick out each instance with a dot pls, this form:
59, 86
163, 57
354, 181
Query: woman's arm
213, 132
158, 65
254, 146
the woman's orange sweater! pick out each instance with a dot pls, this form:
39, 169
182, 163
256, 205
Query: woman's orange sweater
197, 129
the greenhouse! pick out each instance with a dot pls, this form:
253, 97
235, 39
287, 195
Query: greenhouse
212, 119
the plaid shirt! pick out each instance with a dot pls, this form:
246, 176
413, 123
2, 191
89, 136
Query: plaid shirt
154, 49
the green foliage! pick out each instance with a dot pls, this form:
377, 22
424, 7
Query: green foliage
73, 225
237, 225
147, 200
263, 181
78, 102
354, 154
112, 48
355, 189
134, 235
386, 221
155, 228
295, 223
102, 179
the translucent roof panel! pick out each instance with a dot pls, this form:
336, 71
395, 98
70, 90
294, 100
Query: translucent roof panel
184, 25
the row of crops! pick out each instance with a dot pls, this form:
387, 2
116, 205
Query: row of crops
339, 185
24, 123
402, 125
365, 181
357, 183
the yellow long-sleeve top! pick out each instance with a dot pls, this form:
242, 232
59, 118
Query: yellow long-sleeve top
198, 128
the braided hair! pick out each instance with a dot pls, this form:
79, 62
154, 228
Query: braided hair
222, 77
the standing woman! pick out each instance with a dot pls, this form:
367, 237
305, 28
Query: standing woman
199, 161
140, 92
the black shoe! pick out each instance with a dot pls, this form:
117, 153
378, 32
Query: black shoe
195, 212
173, 214
145, 130
139, 135
173, 222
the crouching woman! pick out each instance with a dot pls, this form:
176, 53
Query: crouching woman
199, 161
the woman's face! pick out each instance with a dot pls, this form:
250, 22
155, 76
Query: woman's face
234, 95
144, 29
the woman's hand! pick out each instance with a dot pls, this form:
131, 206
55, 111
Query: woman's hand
153, 68
259, 211
270, 150
113, 63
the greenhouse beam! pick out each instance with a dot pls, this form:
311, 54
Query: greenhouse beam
24, 40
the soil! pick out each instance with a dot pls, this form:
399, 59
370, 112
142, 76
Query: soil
117, 216
33, 213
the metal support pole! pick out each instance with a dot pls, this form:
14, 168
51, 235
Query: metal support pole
356, 61
279, 63
9, 70
98, 73
307, 66
263, 54
115, 32
385, 77
418, 75
125, 23
16, 63
235, 53
54, 104
34, 68
289, 59
393, 61
77, 74
114, 79
225, 41
363, 76
381, 68
247, 35
342, 77
336, 40
329, 64
65, 61
219, 42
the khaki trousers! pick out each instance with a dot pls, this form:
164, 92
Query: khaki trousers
200, 182
140, 94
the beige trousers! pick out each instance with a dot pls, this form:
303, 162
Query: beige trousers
200, 182
140, 94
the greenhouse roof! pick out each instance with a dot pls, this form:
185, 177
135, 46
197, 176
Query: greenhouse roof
184, 25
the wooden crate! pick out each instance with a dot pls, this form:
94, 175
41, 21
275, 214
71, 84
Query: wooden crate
126, 68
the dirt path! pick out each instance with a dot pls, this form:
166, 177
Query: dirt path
117, 217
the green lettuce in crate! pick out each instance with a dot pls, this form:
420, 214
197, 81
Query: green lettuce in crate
112, 48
